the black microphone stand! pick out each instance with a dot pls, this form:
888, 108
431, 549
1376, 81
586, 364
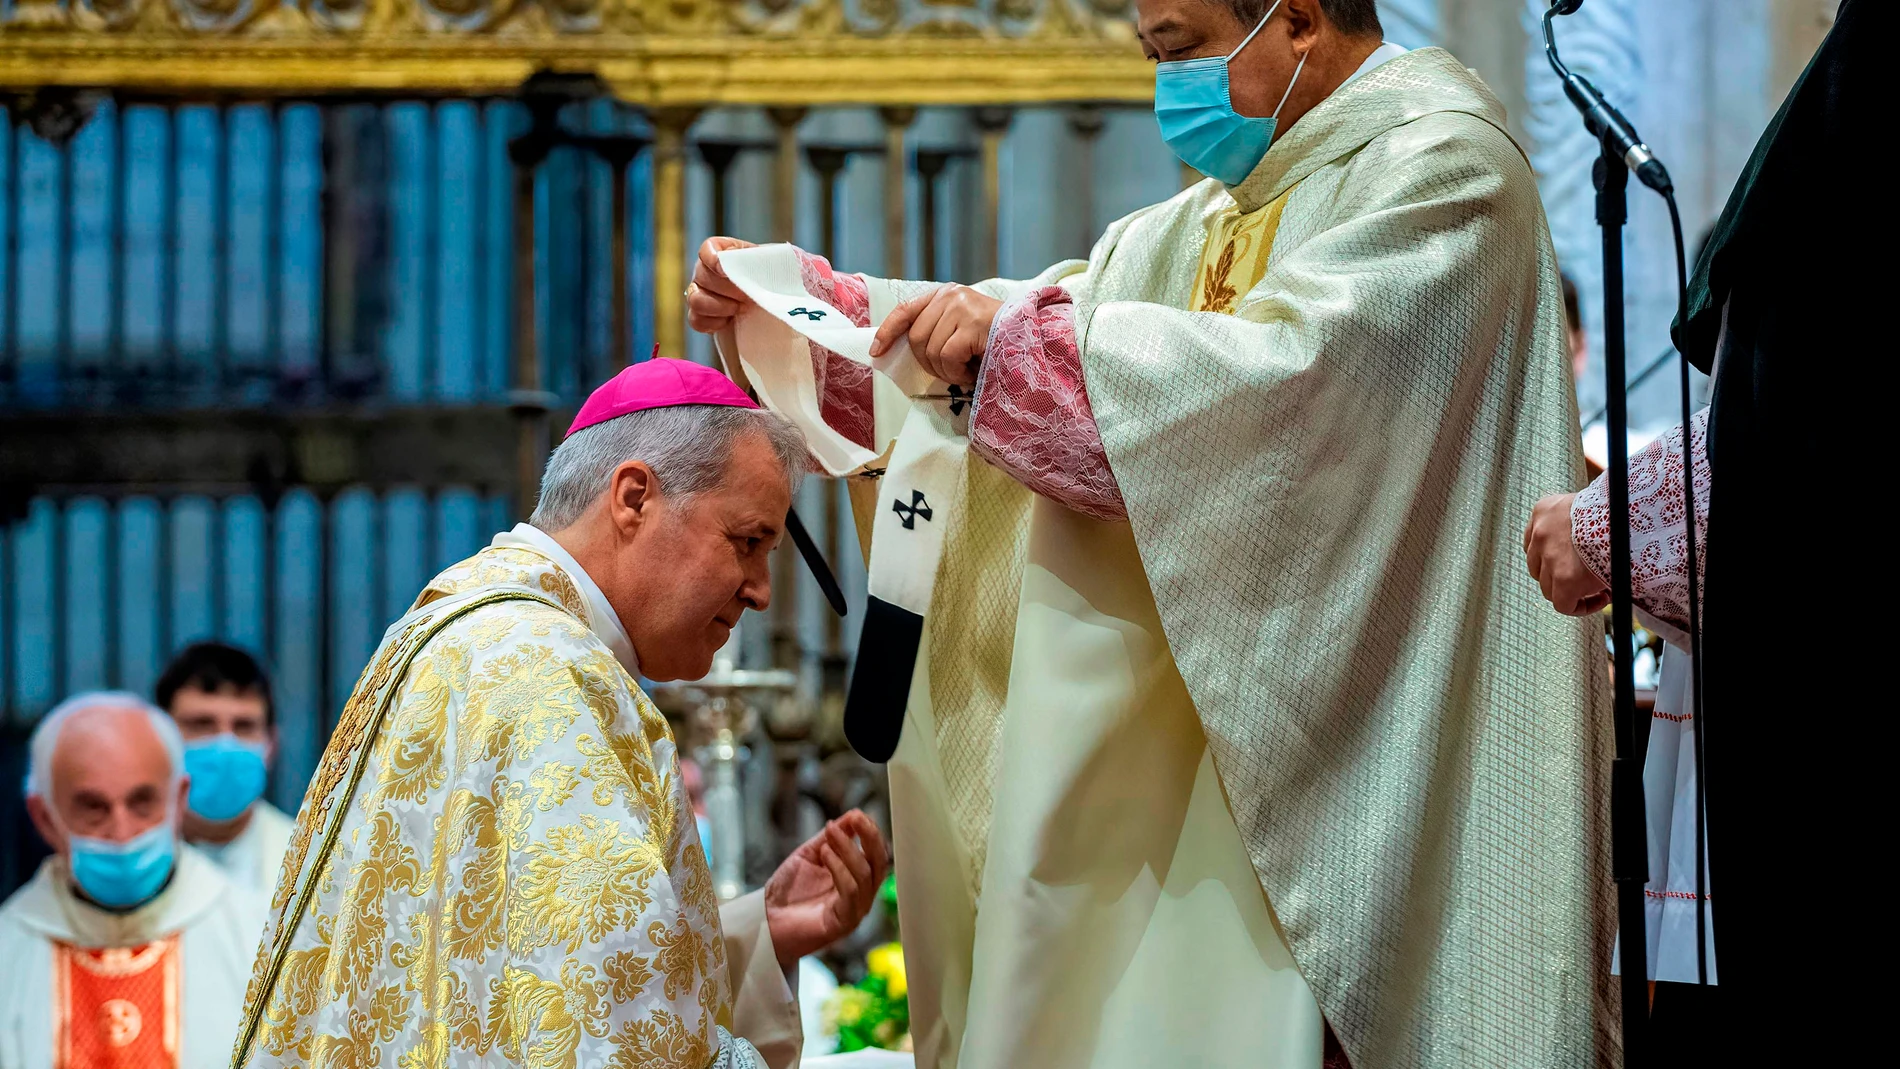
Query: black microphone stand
1629, 827
1629, 830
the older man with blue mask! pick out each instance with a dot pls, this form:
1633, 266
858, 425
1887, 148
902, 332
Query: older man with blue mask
127, 947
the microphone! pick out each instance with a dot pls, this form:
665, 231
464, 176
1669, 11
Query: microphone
1599, 116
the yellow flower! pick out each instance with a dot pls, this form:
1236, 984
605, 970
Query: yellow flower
887, 964
846, 1008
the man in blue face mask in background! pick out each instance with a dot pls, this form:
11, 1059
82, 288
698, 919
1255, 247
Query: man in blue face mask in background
1219, 621
220, 698
127, 947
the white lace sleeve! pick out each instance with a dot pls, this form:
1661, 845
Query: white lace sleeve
1659, 545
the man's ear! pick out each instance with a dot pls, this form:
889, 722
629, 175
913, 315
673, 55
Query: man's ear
180, 808
1304, 19
633, 496
36, 808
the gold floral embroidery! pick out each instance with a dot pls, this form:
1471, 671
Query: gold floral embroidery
545, 1018
473, 911
369, 1028
628, 972
662, 1039
695, 881
517, 702
1217, 293
553, 785
295, 998
409, 755
388, 867
620, 765
680, 955
587, 879
652, 721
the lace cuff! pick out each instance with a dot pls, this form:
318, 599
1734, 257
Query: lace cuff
1032, 415
735, 1053
844, 386
1658, 540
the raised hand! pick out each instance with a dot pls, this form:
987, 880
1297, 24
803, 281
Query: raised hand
949, 328
825, 888
712, 300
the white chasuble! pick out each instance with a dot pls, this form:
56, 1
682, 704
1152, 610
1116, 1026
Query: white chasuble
254, 856
1308, 664
495, 863
1051, 766
160, 987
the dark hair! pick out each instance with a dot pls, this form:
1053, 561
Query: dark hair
211, 667
1573, 317
1354, 18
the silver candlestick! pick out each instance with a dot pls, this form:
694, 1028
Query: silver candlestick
722, 706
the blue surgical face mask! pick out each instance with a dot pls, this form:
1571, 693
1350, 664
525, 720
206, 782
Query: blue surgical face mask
1195, 107
227, 775
123, 875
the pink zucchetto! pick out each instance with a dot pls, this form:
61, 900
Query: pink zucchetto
659, 383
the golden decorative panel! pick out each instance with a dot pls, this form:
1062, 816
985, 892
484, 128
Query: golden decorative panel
690, 53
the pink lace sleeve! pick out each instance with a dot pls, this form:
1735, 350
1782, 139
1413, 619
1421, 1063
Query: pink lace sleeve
844, 386
1659, 546
1032, 416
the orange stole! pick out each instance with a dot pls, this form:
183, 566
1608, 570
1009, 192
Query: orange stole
116, 1008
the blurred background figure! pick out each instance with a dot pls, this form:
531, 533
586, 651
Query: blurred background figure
127, 948
220, 698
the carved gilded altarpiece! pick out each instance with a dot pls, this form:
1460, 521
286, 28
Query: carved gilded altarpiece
685, 53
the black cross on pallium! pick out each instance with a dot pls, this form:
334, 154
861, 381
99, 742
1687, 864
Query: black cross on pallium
960, 399
813, 314
918, 509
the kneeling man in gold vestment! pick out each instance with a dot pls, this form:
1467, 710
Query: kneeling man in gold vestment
496, 861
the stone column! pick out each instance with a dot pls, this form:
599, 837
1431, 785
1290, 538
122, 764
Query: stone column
531, 442
669, 227
896, 173
992, 124
785, 173
1078, 182
787, 649
930, 165
619, 158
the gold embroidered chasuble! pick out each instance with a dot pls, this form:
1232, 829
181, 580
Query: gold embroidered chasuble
491, 864
1308, 664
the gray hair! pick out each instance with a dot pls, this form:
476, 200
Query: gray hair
688, 447
46, 735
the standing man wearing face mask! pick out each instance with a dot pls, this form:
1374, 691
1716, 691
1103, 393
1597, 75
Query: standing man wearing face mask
1234, 736
127, 948
220, 698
